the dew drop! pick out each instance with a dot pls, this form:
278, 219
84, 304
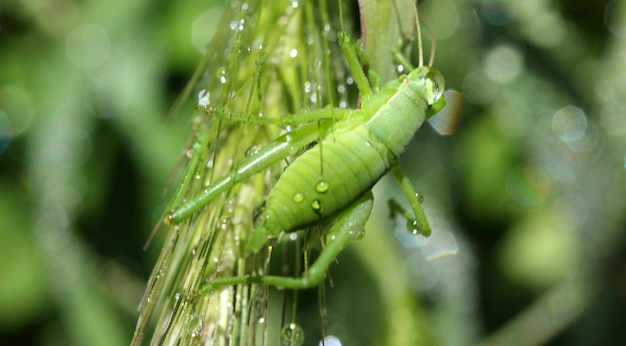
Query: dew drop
357, 234
204, 98
253, 150
292, 335
230, 205
419, 197
298, 197
322, 186
317, 206
224, 224
308, 87
196, 324
414, 227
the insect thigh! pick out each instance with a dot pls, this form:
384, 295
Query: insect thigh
305, 193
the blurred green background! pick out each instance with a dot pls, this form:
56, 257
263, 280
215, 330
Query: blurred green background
527, 200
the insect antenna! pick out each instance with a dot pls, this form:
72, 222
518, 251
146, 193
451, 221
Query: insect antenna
431, 58
433, 41
419, 35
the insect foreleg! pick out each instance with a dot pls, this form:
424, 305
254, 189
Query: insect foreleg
327, 113
348, 225
285, 145
349, 48
419, 224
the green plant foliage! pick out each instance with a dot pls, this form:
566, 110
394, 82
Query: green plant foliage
526, 201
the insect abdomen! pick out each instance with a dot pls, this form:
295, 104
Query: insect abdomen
305, 193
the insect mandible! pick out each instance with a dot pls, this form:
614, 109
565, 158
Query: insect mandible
359, 146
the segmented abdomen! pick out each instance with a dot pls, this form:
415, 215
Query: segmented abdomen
305, 193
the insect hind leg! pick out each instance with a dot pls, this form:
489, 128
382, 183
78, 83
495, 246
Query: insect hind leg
347, 226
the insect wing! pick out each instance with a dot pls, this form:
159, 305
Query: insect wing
446, 120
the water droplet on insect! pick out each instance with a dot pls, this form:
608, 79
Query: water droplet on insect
298, 197
322, 186
253, 150
414, 227
357, 234
419, 197
292, 335
317, 206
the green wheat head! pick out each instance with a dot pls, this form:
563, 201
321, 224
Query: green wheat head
267, 58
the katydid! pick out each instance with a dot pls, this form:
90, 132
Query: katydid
358, 147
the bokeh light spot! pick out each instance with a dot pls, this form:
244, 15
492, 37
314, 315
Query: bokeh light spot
504, 63
569, 123
87, 46
479, 88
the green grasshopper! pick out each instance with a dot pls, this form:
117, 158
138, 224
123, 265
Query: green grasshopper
358, 147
